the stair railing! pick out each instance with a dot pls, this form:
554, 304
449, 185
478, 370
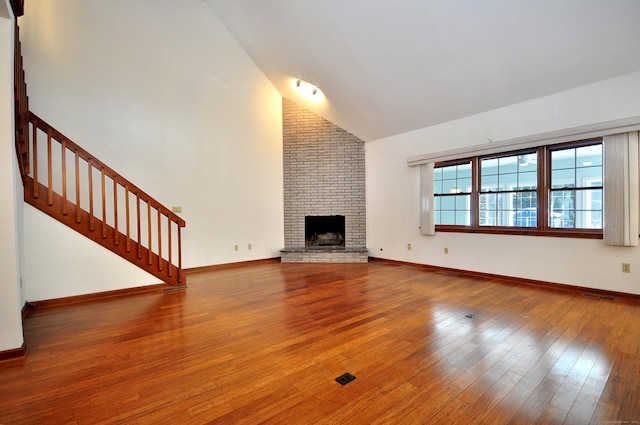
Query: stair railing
21, 102
71, 185
81, 191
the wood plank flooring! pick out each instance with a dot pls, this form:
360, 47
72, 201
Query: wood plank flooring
264, 344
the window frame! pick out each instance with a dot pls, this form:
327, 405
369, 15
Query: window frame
543, 195
471, 200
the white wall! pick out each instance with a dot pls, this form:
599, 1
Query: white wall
10, 295
393, 194
160, 91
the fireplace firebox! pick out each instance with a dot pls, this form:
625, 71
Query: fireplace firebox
324, 231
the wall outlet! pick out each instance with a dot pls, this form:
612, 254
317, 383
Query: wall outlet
409, 246
235, 247
446, 250
249, 246
626, 267
176, 209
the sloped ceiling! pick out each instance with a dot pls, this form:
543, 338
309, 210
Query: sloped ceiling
390, 66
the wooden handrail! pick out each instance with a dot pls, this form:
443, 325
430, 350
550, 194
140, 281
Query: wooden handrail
154, 252
99, 165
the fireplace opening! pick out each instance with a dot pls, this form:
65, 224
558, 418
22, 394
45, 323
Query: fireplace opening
324, 231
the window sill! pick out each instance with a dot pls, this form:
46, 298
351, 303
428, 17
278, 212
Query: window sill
561, 233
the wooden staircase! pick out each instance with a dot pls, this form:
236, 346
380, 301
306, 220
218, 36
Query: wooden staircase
69, 184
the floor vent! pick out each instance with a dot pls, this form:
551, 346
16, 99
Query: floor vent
174, 288
470, 316
599, 297
345, 378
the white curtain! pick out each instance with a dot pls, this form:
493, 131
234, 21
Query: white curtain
427, 221
621, 189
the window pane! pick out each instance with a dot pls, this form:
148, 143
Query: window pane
489, 183
589, 155
505, 218
584, 220
525, 218
527, 180
450, 186
489, 167
527, 161
563, 178
437, 186
447, 217
508, 164
464, 171
487, 209
594, 219
587, 175
525, 200
437, 173
508, 181
594, 201
565, 158
462, 202
463, 218
447, 203
465, 185
449, 172
562, 209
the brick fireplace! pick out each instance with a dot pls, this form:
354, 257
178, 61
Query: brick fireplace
324, 190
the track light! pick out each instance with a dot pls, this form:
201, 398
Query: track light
306, 87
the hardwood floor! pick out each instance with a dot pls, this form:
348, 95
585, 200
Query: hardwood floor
264, 344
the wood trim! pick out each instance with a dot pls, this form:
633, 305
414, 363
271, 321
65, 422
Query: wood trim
99, 295
203, 269
522, 231
26, 309
13, 354
511, 279
18, 7
138, 289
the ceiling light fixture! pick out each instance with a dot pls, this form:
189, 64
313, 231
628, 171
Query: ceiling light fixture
306, 87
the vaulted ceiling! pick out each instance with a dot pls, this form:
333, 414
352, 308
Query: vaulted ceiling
386, 67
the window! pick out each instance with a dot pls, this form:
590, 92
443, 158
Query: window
508, 190
547, 190
576, 188
452, 192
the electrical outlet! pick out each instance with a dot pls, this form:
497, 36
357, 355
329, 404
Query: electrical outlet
235, 247
626, 267
249, 246
176, 209
409, 246
446, 250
